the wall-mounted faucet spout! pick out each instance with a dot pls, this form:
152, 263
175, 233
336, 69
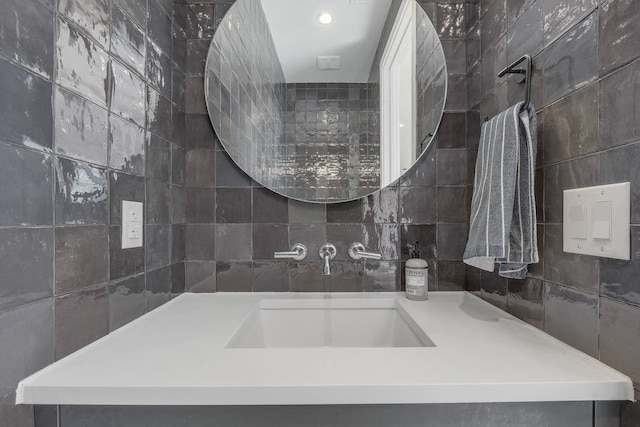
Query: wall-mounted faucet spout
327, 253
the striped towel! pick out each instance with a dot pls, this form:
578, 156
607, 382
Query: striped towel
503, 208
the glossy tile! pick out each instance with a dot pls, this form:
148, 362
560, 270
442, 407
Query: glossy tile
348, 212
137, 10
452, 166
493, 24
200, 276
423, 171
234, 276
158, 246
451, 20
80, 319
620, 337
494, 289
81, 193
417, 205
619, 96
200, 242
158, 285
342, 235
451, 276
26, 269
26, 116
455, 55
494, 60
158, 202
178, 165
269, 207
515, 8
22, 357
122, 187
571, 126
28, 173
233, 205
381, 206
383, 239
526, 35
81, 128
346, 276
200, 205
233, 242
126, 141
270, 276
451, 133
572, 61
178, 204
158, 69
200, 21
560, 15
525, 300
580, 271
123, 262
178, 275
158, 156
619, 31
199, 132
81, 257
158, 114
269, 238
195, 103
382, 276
618, 278
201, 168
82, 66
306, 276
228, 174
572, 316
196, 56
90, 15
127, 301
451, 202
127, 96
127, 40
577, 173
159, 26
178, 243
27, 31
451, 241
306, 213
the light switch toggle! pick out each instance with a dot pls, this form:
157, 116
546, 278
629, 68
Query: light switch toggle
578, 214
602, 220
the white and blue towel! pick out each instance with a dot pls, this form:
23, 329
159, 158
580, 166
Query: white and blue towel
503, 208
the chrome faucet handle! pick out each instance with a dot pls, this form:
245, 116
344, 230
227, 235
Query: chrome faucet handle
358, 251
298, 252
327, 252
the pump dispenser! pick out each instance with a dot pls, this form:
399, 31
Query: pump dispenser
416, 275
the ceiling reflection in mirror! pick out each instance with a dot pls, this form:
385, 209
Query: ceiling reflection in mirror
325, 100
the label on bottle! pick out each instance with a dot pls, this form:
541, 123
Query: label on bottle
416, 281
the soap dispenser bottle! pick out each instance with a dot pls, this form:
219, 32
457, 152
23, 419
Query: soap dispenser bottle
416, 276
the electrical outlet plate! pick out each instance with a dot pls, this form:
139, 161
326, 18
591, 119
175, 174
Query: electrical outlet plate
596, 221
132, 224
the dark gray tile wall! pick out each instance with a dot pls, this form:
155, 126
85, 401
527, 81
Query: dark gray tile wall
585, 90
89, 116
247, 88
234, 225
332, 143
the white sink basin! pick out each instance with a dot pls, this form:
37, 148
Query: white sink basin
329, 323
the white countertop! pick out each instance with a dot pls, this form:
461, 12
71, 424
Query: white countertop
176, 355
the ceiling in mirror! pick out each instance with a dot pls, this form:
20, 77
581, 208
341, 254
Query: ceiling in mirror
352, 35
325, 112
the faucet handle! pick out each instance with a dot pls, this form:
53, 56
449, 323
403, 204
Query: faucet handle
357, 251
327, 249
298, 252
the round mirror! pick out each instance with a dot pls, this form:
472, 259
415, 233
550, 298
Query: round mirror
325, 100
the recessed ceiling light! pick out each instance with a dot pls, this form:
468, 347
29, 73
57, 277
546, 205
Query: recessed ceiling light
325, 18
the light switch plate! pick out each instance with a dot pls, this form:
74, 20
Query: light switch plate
596, 221
132, 224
